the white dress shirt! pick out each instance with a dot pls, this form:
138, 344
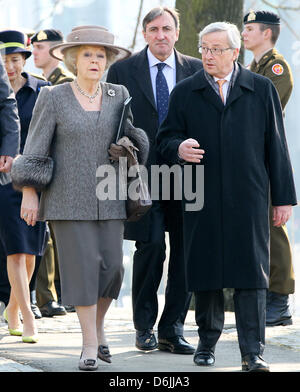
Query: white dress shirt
169, 70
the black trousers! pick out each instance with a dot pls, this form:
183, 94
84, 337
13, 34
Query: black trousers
147, 273
250, 315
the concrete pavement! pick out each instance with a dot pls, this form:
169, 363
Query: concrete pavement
59, 347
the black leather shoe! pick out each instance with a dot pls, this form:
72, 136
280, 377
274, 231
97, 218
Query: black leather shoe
36, 311
176, 345
204, 358
70, 308
277, 310
254, 363
52, 308
145, 340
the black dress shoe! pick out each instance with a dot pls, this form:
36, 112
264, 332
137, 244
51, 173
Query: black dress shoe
254, 363
146, 340
204, 358
52, 308
176, 345
36, 311
70, 308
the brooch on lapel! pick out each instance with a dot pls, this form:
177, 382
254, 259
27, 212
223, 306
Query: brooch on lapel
111, 92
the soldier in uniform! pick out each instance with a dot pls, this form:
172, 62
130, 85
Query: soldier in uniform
260, 35
42, 41
48, 282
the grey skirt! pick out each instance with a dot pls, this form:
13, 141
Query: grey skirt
90, 258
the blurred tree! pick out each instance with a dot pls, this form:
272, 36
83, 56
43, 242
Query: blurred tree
196, 14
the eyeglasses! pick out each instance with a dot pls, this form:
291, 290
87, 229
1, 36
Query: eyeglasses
213, 51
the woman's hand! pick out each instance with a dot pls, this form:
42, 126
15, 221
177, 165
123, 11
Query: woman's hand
29, 206
116, 152
5, 163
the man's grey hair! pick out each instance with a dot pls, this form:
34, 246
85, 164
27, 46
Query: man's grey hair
158, 11
233, 34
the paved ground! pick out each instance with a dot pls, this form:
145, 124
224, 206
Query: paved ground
59, 348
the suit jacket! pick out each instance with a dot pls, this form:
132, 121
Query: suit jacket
9, 119
134, 73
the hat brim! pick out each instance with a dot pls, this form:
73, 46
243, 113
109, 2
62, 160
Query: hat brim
57, 51
6, 51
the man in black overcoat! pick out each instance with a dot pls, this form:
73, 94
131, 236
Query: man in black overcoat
230, 120
141, 75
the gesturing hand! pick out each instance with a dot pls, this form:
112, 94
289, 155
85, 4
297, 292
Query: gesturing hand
189, 151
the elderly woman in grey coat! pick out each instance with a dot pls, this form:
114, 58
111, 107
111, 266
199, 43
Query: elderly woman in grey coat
73, 128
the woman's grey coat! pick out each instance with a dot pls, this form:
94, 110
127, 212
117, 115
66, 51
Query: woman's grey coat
63, 130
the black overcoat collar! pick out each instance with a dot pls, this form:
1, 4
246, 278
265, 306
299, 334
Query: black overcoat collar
245, 80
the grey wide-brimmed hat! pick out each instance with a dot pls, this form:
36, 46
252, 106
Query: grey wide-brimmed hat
89, 35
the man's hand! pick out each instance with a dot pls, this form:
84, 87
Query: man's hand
189, 151
5, 163
281, 214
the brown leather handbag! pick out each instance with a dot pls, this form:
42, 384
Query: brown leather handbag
135, 209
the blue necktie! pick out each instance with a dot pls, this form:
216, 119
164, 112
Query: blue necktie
162, 93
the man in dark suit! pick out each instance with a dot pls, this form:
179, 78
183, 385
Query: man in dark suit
150, 75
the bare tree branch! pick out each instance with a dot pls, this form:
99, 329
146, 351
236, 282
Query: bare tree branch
297, 36
132, 46
281, 7
55, 4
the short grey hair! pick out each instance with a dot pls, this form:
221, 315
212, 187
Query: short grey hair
70, 56
233, 34
158, 11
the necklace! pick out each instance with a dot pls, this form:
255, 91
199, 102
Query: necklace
90, 97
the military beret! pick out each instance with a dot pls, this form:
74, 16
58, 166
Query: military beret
47, 35
265, 17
